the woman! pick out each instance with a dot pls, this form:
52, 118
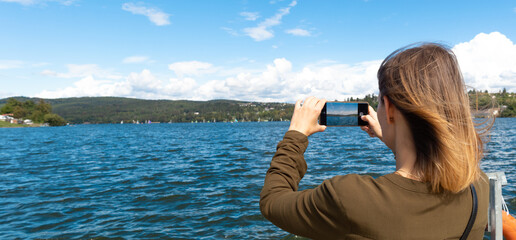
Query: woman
424, 118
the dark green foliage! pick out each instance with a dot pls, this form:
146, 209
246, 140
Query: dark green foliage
43, 107
37, 116
502, 101
54, 120
25, 108
371, 99
10, 105
116, 109
19, 112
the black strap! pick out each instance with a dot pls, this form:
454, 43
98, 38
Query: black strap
473, 213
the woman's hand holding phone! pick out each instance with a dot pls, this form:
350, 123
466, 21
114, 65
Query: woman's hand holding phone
373, 128
305, 116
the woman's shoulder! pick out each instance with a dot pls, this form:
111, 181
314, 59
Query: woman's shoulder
355, 187
482, 185
359, 180
483, 179
366, 184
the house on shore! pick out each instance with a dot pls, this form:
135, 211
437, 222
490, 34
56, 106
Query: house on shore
10, 119
6, 117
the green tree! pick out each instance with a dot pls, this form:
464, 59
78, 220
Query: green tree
37, 116
20, 112
6, 109
54, 120
29, 105
44, 107
10, 105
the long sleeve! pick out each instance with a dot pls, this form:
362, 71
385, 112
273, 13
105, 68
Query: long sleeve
358, 206
311, 213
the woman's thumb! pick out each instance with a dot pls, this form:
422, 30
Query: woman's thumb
366, 118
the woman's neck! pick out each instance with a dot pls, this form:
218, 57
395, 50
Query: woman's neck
405, 150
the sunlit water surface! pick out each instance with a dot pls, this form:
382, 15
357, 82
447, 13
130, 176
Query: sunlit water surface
190, 181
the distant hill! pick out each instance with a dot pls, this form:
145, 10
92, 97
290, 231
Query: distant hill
117, 109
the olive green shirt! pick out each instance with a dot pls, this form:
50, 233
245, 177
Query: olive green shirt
361, 207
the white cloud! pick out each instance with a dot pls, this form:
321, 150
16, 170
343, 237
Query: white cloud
488, 62
40, 64
6, 94
263, 31
155, 15
47, 72
230, 31
89, 86
9, 64
250, 16
139, 85
83, 70
279, 83
135, 59
34, 2
67, 2
194, 68
179, 88
276, 82
23, 2
259, 33
144, 81
298, 32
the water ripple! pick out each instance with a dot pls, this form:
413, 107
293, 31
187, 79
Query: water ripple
175, 181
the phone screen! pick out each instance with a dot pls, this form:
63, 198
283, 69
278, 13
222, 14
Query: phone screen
343, 114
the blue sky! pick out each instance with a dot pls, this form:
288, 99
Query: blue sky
279, 50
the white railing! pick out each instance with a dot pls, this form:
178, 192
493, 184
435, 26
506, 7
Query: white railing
496, 202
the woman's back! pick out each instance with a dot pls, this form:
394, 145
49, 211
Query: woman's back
394, 207
424, 118
361, 207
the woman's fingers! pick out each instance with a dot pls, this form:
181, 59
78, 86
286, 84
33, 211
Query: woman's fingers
308, 101
372, 113
322, 128
373, 128
367, 118
305, 116
298, 104
371, 110
368, 131
318, 107
320, 104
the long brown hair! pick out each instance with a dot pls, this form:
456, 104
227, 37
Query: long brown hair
424, 82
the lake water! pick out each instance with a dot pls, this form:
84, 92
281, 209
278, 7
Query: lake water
181, 181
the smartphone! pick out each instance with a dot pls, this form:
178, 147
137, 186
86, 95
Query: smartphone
344, 114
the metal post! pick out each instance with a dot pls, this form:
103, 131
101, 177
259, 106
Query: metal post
495, 224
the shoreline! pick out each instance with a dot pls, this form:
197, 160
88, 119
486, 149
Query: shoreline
15, 125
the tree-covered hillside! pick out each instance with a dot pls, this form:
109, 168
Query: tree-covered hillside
117, 109
40, 112
502, 101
